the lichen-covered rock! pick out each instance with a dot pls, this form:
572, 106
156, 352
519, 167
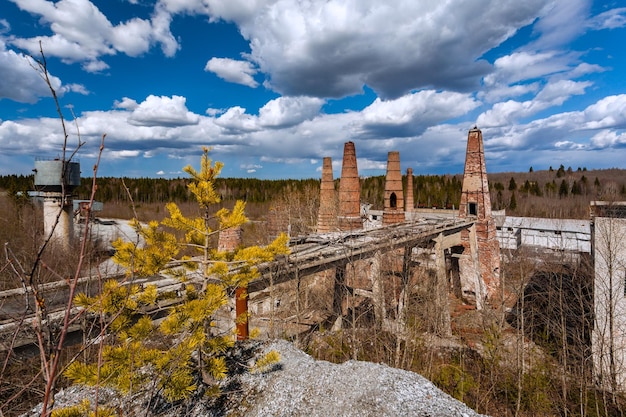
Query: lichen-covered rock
298, 386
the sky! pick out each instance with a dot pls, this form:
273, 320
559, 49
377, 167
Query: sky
273, 86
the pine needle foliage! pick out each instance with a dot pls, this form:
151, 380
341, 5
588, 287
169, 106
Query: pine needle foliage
83, 410
169, 358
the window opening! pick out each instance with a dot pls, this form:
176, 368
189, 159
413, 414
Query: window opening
393, 200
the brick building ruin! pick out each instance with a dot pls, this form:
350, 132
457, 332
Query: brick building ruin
474, 265
480, 283
376, 286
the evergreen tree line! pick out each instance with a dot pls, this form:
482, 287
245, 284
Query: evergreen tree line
161, 190
508, 190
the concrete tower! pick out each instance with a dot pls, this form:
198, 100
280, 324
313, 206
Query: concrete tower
349, 191
409, 203
55, 180
393, 211
476, 204
327, 214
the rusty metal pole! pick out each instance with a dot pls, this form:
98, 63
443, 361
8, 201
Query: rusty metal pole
241, 311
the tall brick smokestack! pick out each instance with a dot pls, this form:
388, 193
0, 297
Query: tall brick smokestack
409, 203
349, 191
393, 211
327, 214
229, 240
476, 204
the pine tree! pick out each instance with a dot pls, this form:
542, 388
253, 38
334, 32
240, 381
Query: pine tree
513, 202
563, 189
164, 359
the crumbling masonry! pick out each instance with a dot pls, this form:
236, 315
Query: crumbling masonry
349, 191
327, 214
473, 265
394, 198
479, 268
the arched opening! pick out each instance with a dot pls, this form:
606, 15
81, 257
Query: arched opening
393, 200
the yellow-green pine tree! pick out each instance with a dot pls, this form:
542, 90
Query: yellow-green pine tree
164, 358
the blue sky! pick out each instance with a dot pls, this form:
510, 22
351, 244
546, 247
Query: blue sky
273, 86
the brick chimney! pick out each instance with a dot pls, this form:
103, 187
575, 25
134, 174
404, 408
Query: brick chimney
393, 211
349, 191
476, 204
327, 214
229, 240
409, 203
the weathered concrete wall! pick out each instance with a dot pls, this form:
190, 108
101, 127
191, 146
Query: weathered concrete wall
63, 230
364, 292
557, 234
609, 333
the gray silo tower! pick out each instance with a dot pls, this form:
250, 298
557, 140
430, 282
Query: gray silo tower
55, 181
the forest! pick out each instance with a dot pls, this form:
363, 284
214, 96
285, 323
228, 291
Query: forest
551, 193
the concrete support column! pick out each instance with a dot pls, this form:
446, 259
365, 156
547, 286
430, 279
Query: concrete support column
472, 288
339, 295
378, 289
442, 322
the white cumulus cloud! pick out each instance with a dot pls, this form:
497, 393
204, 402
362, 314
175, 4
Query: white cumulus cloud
289, 111
163, 111
240, 72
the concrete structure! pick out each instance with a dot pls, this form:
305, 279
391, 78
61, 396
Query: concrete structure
479, 266
571, 235
609, 332
409, 203
55, 181
393, 211
327, 214
349, 191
